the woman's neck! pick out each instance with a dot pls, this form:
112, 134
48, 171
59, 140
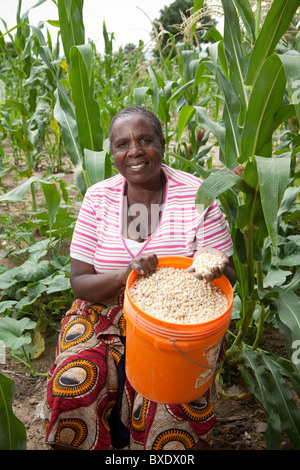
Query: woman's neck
142, 214
138, 194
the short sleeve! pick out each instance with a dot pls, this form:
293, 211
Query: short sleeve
84, 241
213, 231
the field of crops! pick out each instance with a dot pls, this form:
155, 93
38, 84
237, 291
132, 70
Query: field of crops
230, 111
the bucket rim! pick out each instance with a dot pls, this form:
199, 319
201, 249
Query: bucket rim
182, 262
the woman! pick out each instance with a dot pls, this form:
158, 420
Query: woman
125, 223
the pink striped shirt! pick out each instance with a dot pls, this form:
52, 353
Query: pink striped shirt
98, 239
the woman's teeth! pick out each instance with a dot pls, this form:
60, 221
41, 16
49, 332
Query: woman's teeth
136, 167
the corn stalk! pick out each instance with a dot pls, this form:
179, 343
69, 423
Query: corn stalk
78, 114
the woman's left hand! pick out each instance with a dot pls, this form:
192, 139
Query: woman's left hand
216, 271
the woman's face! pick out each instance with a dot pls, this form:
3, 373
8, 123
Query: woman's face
137, 149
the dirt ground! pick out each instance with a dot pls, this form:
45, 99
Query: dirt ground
240, 423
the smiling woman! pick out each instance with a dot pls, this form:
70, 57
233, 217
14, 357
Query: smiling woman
138, 153
90, 402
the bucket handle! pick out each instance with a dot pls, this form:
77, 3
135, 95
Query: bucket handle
200, 365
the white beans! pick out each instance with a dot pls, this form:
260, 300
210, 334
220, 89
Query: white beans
177, 296
205, 262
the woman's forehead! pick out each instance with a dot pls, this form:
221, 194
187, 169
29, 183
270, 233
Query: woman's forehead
135, 121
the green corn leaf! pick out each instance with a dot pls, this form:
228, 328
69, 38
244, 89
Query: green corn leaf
64, 111
97, 165
197, 6
52, 197
155, 89
87, 109
65, 115
71, 24
260, 386
266, 99
237, 61
275, 25
139, 94
273, 176
287, 408
291, 63
216, 184
230, 120
246, 13
18, 193
216, 128
12, 430
186, 113
288, 311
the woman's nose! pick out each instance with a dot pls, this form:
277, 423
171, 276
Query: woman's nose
134, 149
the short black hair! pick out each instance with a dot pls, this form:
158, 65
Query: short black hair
136, 110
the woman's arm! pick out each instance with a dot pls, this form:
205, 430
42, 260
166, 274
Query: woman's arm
92, 287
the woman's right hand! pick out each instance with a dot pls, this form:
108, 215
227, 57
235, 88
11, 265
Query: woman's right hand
142, 265
93, 287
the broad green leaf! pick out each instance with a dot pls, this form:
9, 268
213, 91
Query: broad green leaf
12, 430
266, 99
87, 109
7, 305
273, 176
291, 63
59, 283
97, 165
32, 271
275, 25
12, 331
276, 277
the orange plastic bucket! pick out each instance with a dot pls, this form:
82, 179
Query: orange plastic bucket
167, 362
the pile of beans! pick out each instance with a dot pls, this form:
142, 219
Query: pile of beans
177, 296
205, 262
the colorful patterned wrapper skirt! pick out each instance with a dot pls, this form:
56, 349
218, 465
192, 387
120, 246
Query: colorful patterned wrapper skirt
91, 405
